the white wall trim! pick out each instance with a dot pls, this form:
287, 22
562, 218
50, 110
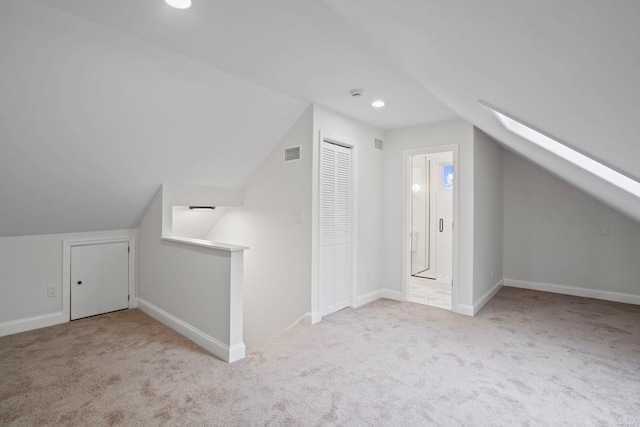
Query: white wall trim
27, 324
367, 298
484, 299
467, 310
376, 295
391, 294
315, 317
304, 319
575, 291
223, 351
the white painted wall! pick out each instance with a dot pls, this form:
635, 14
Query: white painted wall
442, 133
488, 218
28, 264
278, 264
560, 239
368, 204
181, 195
194, 223
188, 287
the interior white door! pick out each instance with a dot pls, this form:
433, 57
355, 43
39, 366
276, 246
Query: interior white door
335, 227
99, 279
444, 235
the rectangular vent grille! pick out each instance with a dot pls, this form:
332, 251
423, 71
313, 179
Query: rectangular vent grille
292, 154
378, 143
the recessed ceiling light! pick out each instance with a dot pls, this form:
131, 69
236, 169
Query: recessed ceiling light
378, 103
179, 4
562, 150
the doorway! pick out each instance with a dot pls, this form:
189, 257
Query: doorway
429, 227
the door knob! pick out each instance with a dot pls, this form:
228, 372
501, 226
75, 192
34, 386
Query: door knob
79, 282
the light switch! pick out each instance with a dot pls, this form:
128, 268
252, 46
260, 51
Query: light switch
299, 217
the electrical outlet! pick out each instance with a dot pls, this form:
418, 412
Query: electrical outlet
52, 290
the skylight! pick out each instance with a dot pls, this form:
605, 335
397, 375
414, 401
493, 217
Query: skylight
559, 149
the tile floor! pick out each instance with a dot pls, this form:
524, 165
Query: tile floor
429, 292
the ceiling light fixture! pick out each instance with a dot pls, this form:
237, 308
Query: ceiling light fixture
567, 153
179, 4
378, 103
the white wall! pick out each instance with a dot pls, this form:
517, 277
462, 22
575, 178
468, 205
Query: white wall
557, 238
278, 264
443, 133
368, 206
488, 218
194, 223
188, 287
28, 264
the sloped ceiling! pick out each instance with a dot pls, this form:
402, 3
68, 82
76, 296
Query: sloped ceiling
296, 47
569, 68
102, 101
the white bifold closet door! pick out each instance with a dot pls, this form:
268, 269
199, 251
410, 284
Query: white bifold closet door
335, 227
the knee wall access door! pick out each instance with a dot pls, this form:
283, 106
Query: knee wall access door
99, 279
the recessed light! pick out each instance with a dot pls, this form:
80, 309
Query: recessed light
378, 103
179, 4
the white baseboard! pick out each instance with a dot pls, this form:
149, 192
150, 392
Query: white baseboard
305, 319
315, 317
571, 290
477, 306
467, 310
30, 323
367, 298
391, 294
223, 351
376, 295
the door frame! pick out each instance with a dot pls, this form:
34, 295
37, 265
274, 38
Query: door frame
66, 269
315, 314
406, 220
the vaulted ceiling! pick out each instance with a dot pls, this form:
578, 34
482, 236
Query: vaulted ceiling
569, 68
102, 101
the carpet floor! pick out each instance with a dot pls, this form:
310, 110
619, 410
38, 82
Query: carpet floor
528, 358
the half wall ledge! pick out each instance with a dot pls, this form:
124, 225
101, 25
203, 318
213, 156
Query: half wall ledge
205, 243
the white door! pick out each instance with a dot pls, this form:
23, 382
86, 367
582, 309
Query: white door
444, 215
335, 227
431, 210
99, 279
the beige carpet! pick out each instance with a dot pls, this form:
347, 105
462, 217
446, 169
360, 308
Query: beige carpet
529, 358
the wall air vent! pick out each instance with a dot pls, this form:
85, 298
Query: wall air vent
378, 143
291, 154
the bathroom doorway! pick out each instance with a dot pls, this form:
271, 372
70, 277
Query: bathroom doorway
430, 227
